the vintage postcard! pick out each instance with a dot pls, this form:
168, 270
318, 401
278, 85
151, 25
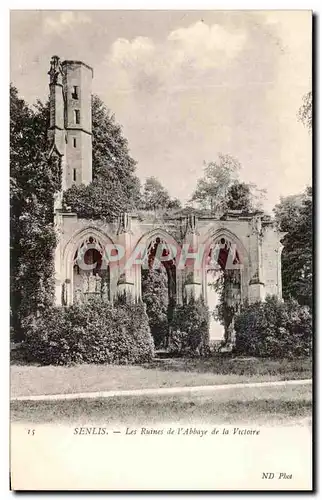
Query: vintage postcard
161, 250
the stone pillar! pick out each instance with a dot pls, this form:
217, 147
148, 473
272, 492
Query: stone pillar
279, 269
192, 274
179, 286
256, 290
127, 277
272, 251
58, 271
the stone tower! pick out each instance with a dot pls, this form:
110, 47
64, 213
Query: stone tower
70, 131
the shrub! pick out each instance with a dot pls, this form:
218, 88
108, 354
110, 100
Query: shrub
190, 328
156, 297
94, 332
274, 329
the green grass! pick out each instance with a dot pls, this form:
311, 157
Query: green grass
228, 365
265, 405
38, 380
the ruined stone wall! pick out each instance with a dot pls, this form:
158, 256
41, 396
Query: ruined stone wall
257, 245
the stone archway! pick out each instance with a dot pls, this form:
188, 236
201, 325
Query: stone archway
225, 282
256, 239
158, 271
157, 251
91, 271
159, 239
86, 269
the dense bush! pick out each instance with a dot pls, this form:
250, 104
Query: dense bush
274, 329
155, 295
94, 332
190, 328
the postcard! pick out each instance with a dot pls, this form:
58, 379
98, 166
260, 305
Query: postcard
161, 250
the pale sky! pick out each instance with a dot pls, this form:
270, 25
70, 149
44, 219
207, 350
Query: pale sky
186, 85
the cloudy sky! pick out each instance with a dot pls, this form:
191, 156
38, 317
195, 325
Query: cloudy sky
186, 85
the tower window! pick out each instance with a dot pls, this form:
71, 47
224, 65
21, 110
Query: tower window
77, 116
75, 92
74, 174
74, 142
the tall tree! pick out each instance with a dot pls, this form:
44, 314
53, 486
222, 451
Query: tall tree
156, 297
245, 196
212, 188
33, 182
220, 190
155, 196
294, 215
239, 197
115, 187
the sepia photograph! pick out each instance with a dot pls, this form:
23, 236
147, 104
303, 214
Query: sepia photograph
161, 250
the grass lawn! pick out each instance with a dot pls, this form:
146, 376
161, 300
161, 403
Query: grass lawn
266, 405
38, 380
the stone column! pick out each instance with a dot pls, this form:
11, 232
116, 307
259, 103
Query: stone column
59, 278
127, 277
192, 274
179, 286
256, 289
279, 268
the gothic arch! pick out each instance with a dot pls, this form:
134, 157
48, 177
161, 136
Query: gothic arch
214, 236
72, 246
147, 239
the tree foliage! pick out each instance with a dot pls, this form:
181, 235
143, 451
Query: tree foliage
156, 297
220, 190
93, 332
33, 181
212, 188
228, 287
274, 329
191, 328
155, 196
115, 187
294, 216
239, 197
305, 111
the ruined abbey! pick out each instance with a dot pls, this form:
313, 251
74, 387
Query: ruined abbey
248, 242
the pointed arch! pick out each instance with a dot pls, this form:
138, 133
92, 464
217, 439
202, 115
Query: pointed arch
102, 238
149, 236
240, 256
150, 240
214, 235
95, 237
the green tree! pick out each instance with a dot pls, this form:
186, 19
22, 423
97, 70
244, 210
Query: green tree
33, 181
239, 197
115, 187
156, 297
220, 188
191, 327
274, 329
155, 196
244, 196
294, 215
212, 189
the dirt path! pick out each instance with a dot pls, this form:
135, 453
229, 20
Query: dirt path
161, 391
